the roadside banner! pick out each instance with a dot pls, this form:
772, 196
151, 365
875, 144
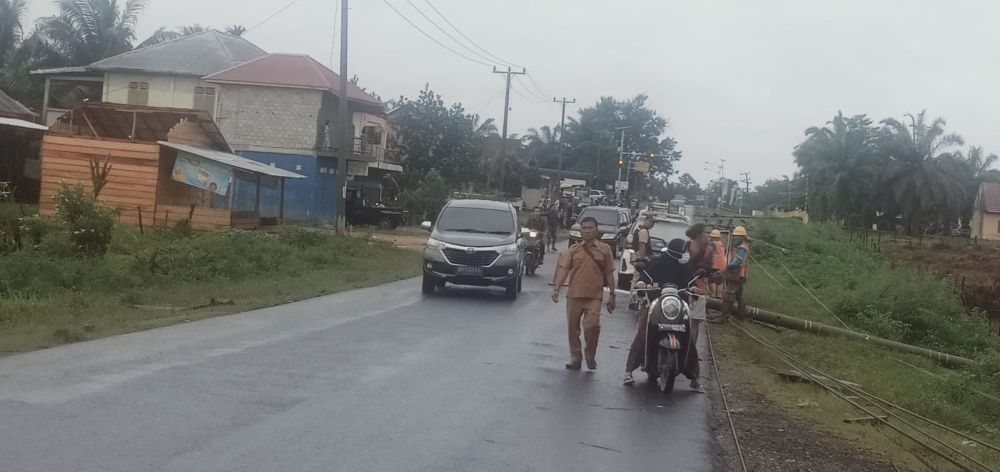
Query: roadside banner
202, 173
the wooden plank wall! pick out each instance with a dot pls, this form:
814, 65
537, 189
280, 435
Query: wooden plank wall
204, 218
131, 183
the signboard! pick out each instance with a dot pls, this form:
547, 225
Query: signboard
357, 168
621, 185
641, 166
202, 173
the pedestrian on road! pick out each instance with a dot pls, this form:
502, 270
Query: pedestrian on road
700, 251
590, 267
553, 225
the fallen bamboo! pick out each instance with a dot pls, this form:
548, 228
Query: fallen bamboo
820, 328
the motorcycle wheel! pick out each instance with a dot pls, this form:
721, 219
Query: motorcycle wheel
529, 264
668, 371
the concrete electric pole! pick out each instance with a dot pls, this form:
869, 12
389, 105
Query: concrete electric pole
562, 132
506, 110
344, 121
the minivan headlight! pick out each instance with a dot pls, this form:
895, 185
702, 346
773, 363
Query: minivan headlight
574, 233
509, 249
608, 236
434, 244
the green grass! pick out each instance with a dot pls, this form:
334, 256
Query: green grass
872, 297
48, 298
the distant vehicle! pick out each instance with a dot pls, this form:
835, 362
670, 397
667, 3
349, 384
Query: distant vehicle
474, 242
362, 213
612, 223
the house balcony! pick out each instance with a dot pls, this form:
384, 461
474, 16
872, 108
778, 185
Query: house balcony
362, 150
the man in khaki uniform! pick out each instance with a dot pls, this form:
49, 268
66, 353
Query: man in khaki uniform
590, 267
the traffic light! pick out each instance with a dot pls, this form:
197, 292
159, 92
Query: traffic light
652, 155
621, 162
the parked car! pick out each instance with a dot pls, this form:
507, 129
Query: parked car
611, 222
474, 242
362, 213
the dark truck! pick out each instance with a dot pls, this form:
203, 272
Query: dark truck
362, 213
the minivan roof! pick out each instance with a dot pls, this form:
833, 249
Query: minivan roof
484, 204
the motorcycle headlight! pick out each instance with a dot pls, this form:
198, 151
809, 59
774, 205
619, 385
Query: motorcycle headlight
574, 233
510, 249
533, 234
607, 236
434, 244
671, 308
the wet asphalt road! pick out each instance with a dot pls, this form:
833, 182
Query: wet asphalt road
380, 379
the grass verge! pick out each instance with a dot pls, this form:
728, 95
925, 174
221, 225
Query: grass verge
871, 297
158, 278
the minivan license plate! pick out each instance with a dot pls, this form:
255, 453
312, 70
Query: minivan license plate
469, 270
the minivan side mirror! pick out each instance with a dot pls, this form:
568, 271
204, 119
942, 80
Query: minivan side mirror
427, 225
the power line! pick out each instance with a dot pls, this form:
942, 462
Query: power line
433, 23
534, 96
439, 43
532, 79
468, 38
293, 2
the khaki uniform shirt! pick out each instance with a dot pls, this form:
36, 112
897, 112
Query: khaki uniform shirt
587, 274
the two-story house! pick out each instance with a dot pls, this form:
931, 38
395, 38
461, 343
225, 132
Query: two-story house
282, 109
279, 109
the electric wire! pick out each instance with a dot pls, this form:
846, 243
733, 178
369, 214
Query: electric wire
442, 30
439, 43
470, 39
265, 20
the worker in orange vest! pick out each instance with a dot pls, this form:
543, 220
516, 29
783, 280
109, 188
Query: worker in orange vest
735, 275
719, 263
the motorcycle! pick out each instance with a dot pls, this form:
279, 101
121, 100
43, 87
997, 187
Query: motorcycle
534, 251
668, 329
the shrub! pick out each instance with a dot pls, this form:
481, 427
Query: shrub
90, 223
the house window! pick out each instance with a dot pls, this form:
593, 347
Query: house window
138, 93
204, 99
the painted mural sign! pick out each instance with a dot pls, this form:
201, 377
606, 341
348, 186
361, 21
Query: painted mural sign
202, 173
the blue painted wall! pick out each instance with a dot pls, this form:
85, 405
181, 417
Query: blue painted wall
308, 199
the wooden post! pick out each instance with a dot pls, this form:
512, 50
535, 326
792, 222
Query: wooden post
281, 200
256, 206
45, 101
134, 118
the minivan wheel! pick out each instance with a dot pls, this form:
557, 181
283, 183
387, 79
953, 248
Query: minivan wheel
510, 291
429, 285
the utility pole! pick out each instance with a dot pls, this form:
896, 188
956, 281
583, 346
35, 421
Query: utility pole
621, 154
746, 180
344, 121
720, 170
506, 110
562, 131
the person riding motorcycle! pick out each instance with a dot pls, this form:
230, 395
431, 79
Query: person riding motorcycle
671, 268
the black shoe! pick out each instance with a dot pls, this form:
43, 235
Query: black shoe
573, 366
592, 364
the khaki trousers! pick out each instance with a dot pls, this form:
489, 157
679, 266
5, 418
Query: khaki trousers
585, 312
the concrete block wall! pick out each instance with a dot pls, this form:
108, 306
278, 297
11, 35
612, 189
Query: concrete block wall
269, 117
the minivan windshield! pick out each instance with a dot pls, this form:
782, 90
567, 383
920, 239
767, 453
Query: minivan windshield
608, 217
475, 220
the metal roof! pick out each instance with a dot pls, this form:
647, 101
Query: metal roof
989, 194
14, 108
197, 54
289, 70
151, 124
22, 124
232, 160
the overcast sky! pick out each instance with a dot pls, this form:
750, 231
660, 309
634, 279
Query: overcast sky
738, 80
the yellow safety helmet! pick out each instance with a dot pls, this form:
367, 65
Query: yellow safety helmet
740, 231
715, 234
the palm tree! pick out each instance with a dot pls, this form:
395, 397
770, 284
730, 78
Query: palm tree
975, 169
840, 159
85, 31
922, 181
485, 129
12, 14
543, 145
236, 30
